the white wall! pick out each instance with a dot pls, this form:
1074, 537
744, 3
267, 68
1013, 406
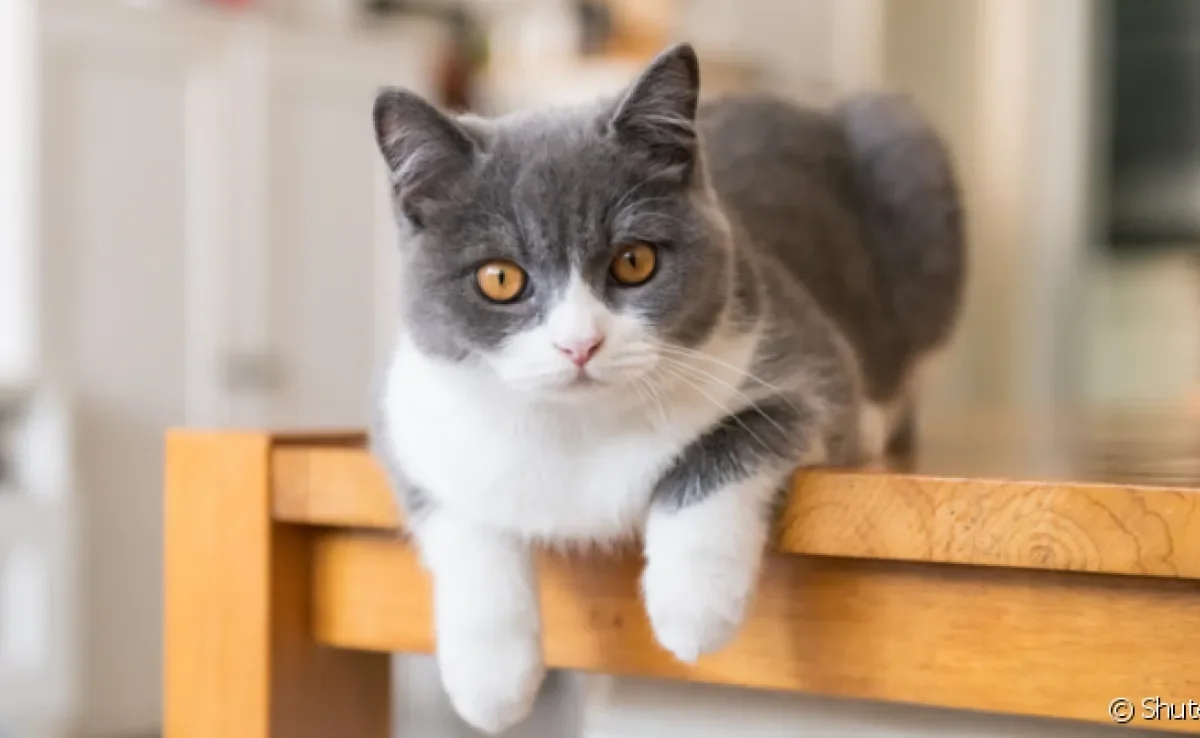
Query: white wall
17, 166
209, 189
790, 40
1142, 333
1010, 84
38, 656
116, 336
808, 49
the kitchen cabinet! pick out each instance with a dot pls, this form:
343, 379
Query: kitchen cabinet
214, 249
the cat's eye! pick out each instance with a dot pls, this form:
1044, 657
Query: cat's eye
501, 281
634, 264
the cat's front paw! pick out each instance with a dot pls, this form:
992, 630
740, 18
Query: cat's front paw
696, 605
491, 676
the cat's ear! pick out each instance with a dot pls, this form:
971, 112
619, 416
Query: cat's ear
425, 150
657, 114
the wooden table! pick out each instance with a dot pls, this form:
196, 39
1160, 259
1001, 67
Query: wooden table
1030, 565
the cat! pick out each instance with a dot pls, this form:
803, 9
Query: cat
634, 319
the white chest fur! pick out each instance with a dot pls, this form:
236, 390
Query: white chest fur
549, 473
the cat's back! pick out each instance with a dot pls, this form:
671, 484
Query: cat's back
786, 173
860, 204
757, 145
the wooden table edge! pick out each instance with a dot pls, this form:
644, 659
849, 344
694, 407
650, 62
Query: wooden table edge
1089, 527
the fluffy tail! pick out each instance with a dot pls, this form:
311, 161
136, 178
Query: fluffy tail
913, 211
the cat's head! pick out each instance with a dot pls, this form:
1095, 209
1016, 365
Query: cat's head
564, 251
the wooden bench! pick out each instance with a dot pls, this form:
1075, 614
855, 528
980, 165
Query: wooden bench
1027, 566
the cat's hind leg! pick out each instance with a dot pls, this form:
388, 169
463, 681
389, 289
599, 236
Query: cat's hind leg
903, 438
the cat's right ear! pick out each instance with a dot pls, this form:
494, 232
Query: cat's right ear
426, 152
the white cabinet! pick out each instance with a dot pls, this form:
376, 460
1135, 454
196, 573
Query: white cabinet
114, 187
214, 251
330, 240
38, 657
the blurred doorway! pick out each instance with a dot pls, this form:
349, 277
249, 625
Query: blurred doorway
1141, 304
1154, 107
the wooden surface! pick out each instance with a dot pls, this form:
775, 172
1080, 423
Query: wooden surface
323, 485
240, 658
1011, 641
1114, 494
1159, 448
1076, 580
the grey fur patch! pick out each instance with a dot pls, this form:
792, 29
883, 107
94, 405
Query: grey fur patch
858, 205
913, 213
768, 436
747, 302
694, 327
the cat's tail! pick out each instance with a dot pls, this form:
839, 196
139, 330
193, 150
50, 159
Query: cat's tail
913, 211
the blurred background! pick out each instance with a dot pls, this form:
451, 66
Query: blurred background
194, 230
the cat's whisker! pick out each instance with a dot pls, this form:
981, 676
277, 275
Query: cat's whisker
644, 396
693, 354
627, 199
723, 408
671, 219
750, 403
657, 396
626, 362
616, 209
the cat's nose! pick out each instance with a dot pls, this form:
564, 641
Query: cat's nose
581, 352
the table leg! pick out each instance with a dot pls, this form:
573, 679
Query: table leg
241, 661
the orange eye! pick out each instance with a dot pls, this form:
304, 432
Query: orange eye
500, 281
634, 264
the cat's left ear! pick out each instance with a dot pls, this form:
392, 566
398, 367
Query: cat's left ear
658, 112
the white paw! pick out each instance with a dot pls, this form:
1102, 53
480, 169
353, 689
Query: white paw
697, 604
492, 676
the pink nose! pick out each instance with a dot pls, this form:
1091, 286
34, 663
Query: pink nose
581, 352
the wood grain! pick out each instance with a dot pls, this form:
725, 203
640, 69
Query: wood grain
1058, 526
240, 660
1010, 641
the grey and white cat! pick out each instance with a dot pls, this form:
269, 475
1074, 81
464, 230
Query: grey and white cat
638, 317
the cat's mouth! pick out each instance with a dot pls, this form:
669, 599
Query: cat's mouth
588, 382
597, 382
582, 382
580, 386
583, 379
